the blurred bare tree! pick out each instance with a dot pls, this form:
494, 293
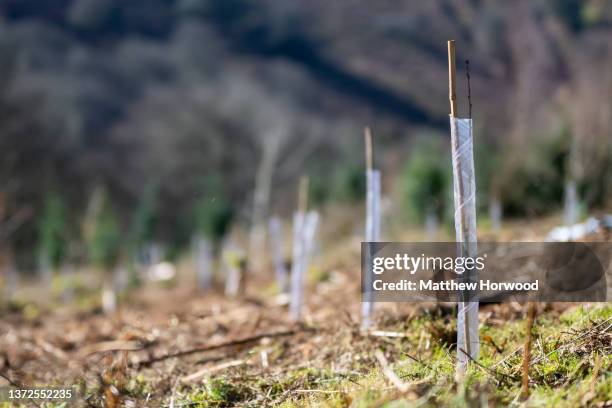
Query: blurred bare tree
166, 92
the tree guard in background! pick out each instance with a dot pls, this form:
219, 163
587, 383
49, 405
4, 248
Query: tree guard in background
305, 226
67, 274
203, 263
495, 213
11, 284
234, 265
276, 246
431, 224
109, 298
372, 228
571, 210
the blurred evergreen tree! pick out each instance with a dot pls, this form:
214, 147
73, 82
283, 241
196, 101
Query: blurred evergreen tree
533, 183
103, 243
213, 212
52, 230
143, 219
425, 179
488, 163
350, 182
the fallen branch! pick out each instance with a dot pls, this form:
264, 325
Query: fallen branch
232, 343
105, 346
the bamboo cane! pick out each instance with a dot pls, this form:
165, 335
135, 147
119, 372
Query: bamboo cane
452, 75
369, 154
303, 195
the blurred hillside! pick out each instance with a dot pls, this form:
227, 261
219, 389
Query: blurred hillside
150, 100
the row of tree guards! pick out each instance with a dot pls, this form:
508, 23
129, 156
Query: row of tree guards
464, 186
305, 225
290, 276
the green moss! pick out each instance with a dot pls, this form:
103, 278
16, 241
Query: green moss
218, 392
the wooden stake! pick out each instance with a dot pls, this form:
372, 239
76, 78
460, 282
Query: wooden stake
369, 154
303, 195
452, 75
531, 313
469, 88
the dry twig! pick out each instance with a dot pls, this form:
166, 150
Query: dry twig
238, 342
118, 345
381, 333
209, 370
390, 374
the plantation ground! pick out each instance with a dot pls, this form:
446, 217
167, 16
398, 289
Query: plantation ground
173, 346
